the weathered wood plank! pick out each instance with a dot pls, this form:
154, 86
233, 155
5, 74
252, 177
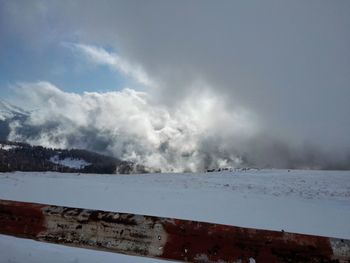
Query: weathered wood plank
164, 238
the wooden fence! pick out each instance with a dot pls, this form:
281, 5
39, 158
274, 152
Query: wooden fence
164, 238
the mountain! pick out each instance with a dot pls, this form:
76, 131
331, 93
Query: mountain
9, 111
8, 114
24, 157
16, 156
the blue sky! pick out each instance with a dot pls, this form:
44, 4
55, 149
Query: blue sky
55, 63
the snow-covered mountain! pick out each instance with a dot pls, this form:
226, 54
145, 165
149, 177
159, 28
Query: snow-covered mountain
8, 114
10, 111
24, 157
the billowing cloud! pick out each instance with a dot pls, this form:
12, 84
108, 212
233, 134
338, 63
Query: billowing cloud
200, 133
126, 124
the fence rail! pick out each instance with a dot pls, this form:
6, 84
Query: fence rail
164, 238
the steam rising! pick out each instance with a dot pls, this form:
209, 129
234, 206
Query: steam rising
125, 124
200, 133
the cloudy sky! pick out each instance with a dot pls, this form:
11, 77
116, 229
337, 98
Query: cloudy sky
182, 85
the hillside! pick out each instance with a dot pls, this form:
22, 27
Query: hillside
24, 157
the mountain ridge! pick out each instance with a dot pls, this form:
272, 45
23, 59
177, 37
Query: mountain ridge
17, 156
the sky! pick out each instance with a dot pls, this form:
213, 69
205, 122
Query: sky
182, 85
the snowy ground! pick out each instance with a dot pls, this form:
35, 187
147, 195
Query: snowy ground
70, 162
7, 147
312, 202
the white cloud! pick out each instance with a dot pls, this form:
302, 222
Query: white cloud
124, 123
100, 56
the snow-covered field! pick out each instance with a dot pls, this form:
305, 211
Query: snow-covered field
312, 202
70, 162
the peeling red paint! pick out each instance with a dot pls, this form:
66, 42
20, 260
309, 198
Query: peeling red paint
193, 241
21, 219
